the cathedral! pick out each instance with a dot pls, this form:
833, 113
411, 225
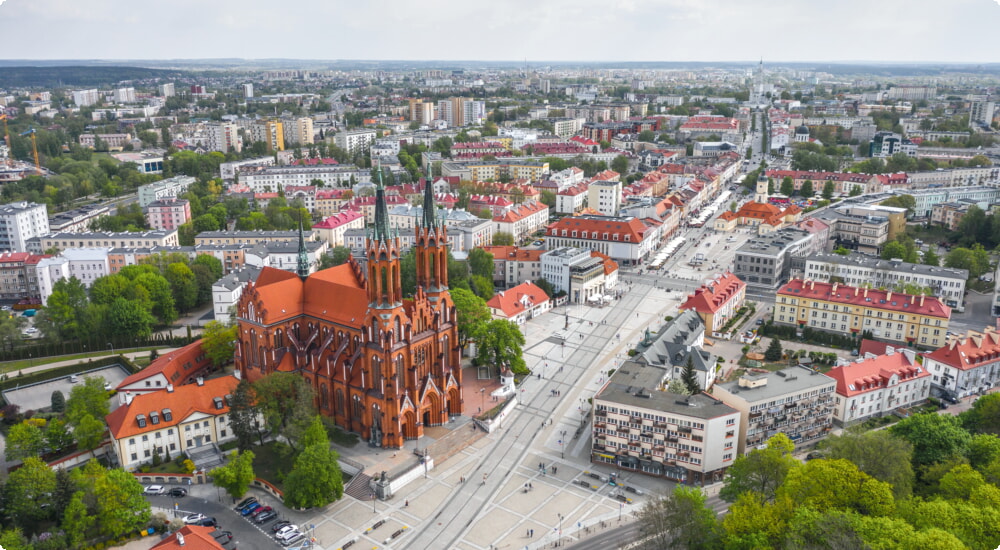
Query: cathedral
381, 366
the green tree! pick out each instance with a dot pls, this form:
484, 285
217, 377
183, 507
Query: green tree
974, 259
76, 521
14, 539
761, 471
65, 311
243, 416
689, 378
205, 222
502, 238
878, 454
481, 263
787, 186
620, 164
828, 190
24, 440
547, 198
121, 508
826, 485
678, 520
237, 475
842, 251
893, 249
983, 450
87, 398
130, 318
482, 286
182, 282
855, 191
161, 296
546, 286
57, 434
774, 352
286, 401
984, 416
58, 402
316, 434
931, 258
500, 344
337, 255
89, 432
472, 313
27, 495
807, 189
316, 479
935, 438
209, 261
219, 342
901, 201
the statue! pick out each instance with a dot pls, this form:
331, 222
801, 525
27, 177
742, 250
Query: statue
382, 478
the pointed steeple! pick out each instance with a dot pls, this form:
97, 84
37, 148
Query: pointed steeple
303, 260
381, 229
429, 207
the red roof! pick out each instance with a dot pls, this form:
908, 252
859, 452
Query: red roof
315, 162
714, 294
177, 367
875, 373
195, 537
596, 227
513, 253
518, 299
875, 347
333, 294
521, 211
339, 219
818, 176
969, 351
872, 298
182, 402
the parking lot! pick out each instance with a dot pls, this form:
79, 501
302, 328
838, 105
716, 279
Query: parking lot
39, 396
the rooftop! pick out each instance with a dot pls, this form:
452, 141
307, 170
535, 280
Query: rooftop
758, 387
638, 385
894, 265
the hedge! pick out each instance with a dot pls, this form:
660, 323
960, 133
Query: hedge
66, 370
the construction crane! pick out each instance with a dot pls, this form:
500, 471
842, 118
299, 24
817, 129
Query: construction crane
34, 149
6, 133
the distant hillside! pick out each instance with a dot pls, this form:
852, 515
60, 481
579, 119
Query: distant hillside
49, 77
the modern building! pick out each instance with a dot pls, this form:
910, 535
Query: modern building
585, 276
20, 222
168, 214
717, 300
857, 270
86, 264
796, 401
981, 114
850, 311
967, 364
102, 239
226, 292
886, 144
626, 240
248, 90
390, 367
355, 141
605, 197
223, 137
640, 427
520, 303
164, 189
764, 262
878, 385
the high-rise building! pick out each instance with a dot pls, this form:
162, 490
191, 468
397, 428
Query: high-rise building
271, 132
224, 137
248, 90
473, 112
124, 95
82, 98
422, 111
20, 222
605, 197
298, 130
981, 113
167, 90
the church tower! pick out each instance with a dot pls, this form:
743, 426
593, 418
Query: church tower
431, 247
761, 195
385, 290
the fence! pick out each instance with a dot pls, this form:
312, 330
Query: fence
47, 348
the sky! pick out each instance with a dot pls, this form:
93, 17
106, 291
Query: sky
959, 31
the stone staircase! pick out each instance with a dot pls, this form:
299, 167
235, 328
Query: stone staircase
360, 487
206, 457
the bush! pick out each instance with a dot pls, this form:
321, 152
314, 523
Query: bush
188, 466
633, 352
58, 402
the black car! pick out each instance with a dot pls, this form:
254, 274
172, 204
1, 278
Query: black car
178, 492
278, 525
208, 522
222, 536
244, 503
265, 517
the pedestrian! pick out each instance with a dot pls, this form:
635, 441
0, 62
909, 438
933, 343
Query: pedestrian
407, 504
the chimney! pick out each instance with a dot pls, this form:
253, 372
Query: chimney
888, 295
866, 292
180, 539
200, 381
833, 290
922, 300
128, 398
170, 388
913, 299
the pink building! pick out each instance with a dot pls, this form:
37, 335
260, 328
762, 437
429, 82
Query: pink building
168, 214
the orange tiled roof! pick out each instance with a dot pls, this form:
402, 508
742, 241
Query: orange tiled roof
714, 294
335, 294
632, 227
874, 373
170, 364
521, 211
968, 351
182, 403
514, 253
195, 537
610, 266
510, 301
871, 298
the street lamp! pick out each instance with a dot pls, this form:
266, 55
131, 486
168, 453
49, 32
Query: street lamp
112, 346
560, 529
482, 401
373, 504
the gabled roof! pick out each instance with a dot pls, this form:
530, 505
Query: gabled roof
519, 299
182, 402
875, 372
195, 537
970, 350
513, 253
866, 297
521, 211
169, 364
714, 294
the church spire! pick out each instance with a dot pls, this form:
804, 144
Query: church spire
303, 260
381, 229
429, 207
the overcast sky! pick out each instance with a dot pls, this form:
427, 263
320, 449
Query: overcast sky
551, 30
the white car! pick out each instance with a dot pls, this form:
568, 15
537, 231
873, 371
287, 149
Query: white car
154, 490
288, 535
285, 530
194, 518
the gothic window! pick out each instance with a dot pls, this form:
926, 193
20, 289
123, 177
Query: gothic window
324, 397
279, 341
338, 401
376, 373
444, 356
358, 408
398, 328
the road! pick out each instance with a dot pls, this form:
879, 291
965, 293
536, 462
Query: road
618, 537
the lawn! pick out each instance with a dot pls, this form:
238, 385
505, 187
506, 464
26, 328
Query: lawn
12, 366
272, 462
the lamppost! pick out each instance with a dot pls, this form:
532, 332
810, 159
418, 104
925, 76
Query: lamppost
112, 346
373, 504
560, 530
482, 401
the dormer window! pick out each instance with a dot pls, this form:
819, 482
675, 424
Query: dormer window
141, 420
229, 398
168, 415
154, 418
218, 402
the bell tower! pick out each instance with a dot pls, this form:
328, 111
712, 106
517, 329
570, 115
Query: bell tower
431, 246
385, 289
761, 195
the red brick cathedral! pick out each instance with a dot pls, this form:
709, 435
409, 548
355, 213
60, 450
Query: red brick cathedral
381, 366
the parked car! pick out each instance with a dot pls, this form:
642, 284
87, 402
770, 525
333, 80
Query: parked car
260, 510
279, 525
208, 522
154, 490
299, 537
222, 536
244, 503
249, 508
266, 516
178, 492
287, 533
194, 518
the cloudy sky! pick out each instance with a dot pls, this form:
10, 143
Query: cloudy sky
540, 30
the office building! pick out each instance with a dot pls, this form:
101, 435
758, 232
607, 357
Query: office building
886, 144
20, 222
765, 262
585, 276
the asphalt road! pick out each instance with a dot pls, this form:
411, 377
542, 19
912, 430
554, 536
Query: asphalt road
246, 534
619, 537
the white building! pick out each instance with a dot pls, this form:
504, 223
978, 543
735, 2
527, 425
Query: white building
520, 303
877, 385
227, 291
86, 264
572, 199
248, 90
223, 137
164, 189
333, 228
228, 170
271, 178
605, 197
523, 219
167, 90
355, 141
627, 240
124, 95
19, 222
83, 98
584, 275
966, 365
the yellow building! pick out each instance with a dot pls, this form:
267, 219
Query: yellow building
496, 170
833, 307
274, 135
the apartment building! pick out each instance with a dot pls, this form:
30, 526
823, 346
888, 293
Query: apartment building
270, 132
638, 427
717, 300
333, 228
250, 237
355, 141
114, 142
20, 222
299, 130
847, 310
168, 214
503, 169
878, 385
83, 98
164, 189
228, 170
572, 199
949, 214
223, 137
513, 265
624, 239
18, 276
797, 401
226, 292
268, 179
857, 270
966, 364
605, 197
523, 219
86, 264
102, 239
166, 90
864, 233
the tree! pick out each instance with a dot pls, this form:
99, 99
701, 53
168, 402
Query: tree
826, 485
482, 286
620, 164
842, 251
128, 317
828, 189
337, 255
984, 416
316, 479
787, 186
893, 249
931, 258
316, 434
89, 432
935, 438
10, 330
121, 507
237, 475
209, 261
286, 401
774, 351
761, 471
502, 238
182, 282
878, 454
14, 539
807, 189
473, 315
87, 398
901, 201
57, 435
481, 263
76, 521
690, 378
27, 495
24, 440
546, 286
58, 402
678, 520
975, 259
500, 344
547, 198
855, 191
243, 416
219, 342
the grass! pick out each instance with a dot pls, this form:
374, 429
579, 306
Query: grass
272, 462
169, 467
341, 438
11, 366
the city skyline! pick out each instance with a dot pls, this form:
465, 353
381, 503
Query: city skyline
626, 30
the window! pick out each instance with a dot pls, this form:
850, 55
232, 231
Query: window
135, 457
131, 441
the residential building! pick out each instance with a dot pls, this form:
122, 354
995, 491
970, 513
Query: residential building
717, 300
764, 262
857, 270
912, 93
844, 182
226, 292
223, 137
639, 427
865, 233
523, 219
248, 90
19, 276
407, 216
164, 189
20, 222
83, 98
190, 537
270, 132
166, 90
520, 303
123, 95
572, 199
332, 229
228, 170
949, 214
605, 197
114, 142
625, 240
299, 130
585, 276
984, 195
847, 310
796, 401
496, 170
981, 113
250, 237
513, 265
355, 141
269, 179
168, 214
86, 264
103, 239
678, 341
182, 366
878, 385
177, 420
966, 364
886, 144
